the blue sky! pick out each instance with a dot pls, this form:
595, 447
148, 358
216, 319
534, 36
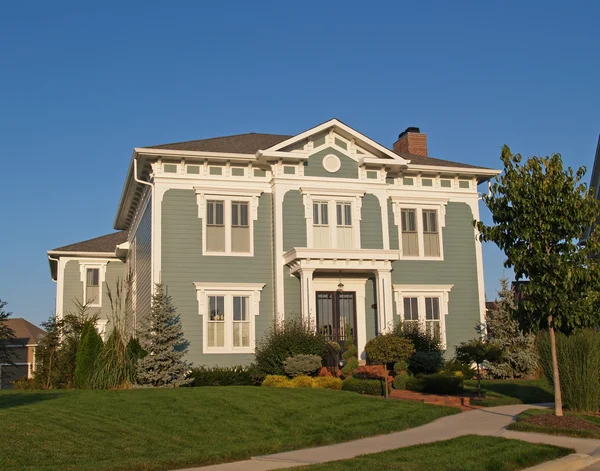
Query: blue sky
83, 83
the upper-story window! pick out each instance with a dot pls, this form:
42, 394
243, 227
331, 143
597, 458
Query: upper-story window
410, 236
228, 227
215, 226
345, 236
321, 224
326, 235
92, 287
240, 228
431, 237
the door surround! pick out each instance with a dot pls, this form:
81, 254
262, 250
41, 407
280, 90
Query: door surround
356, 284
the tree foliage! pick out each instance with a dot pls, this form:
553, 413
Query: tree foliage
478, 351
519, 359
540, 210
6, 335
88, 351
162, 338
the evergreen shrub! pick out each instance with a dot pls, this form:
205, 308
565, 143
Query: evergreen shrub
425, 362
302, 382
328, 382
401, 380
373, 387
222, 376
388, 349
579, 367
88, 351
276, 381
435, 384
288, 339
302, 365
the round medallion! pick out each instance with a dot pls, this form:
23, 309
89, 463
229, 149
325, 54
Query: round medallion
331, 163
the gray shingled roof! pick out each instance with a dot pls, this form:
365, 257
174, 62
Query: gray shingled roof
105, 243
251, 142
25, 331
238, 143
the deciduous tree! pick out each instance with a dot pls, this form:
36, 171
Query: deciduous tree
539, 211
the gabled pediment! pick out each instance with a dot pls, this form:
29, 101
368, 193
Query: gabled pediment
334, 133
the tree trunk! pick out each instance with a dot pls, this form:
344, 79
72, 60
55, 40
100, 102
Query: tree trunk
556, 377
478, 381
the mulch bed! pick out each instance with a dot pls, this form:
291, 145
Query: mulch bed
565, 422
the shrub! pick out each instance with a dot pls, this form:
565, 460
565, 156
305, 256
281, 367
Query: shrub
435, 384
288, 339
579, 367
401, 380
388, 349
456, 366
478, 351
327, 382
25, 383
276, 381
257, 376
351, 351
373, 387
88, 350
421, 340
222, 376
350, 366
302, 365
425, 362
302, 382
400, 367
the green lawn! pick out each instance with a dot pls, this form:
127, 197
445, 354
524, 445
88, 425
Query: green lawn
521, 426
159, 429
467, 453
506, 392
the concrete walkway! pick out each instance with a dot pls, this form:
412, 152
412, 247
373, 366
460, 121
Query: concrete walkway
487, 421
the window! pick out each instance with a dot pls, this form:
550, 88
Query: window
410, 236
228, 311
170, 168
289, 170
431, 240
320, 224
193, 169
92, 287
408, 181
372, 174
464, 184
345, 236
240, 229
432, 317
238, 171
426, 182
215, 170
215, 227
216, 321
411, 310
445, 183
425, 306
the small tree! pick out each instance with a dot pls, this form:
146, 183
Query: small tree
6, 335
540, 211
88, 351
162, 338
478, 351
518, 358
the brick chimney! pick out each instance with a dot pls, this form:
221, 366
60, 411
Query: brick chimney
412, 141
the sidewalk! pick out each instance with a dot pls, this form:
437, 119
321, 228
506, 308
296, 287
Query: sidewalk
487, 421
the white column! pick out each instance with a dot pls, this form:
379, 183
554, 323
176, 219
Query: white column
385, 312
307, 295
277, 201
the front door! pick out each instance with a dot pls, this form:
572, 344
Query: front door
336, 319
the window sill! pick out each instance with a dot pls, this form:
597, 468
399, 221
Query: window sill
426, 259
228, 254
222, 351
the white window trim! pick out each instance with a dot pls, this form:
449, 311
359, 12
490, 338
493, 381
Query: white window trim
101, 328
251, 196
332, 197
101, 266
421, 292
228, 290
419, 204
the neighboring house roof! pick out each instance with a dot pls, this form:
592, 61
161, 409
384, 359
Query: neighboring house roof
248, 143
433, 162
25, 332
105, 243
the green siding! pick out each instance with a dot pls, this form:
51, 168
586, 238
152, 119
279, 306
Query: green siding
294, 222
143, 262
183, 264
73, 288
459, 268
291, 295
394, 242
371, 234
370, 313
314, 166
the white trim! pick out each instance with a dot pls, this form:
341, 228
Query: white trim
332, 163
101, 267
421, 292
334, 123
250, 196
419, 204
228, 290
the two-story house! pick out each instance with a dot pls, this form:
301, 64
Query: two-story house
328, 225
